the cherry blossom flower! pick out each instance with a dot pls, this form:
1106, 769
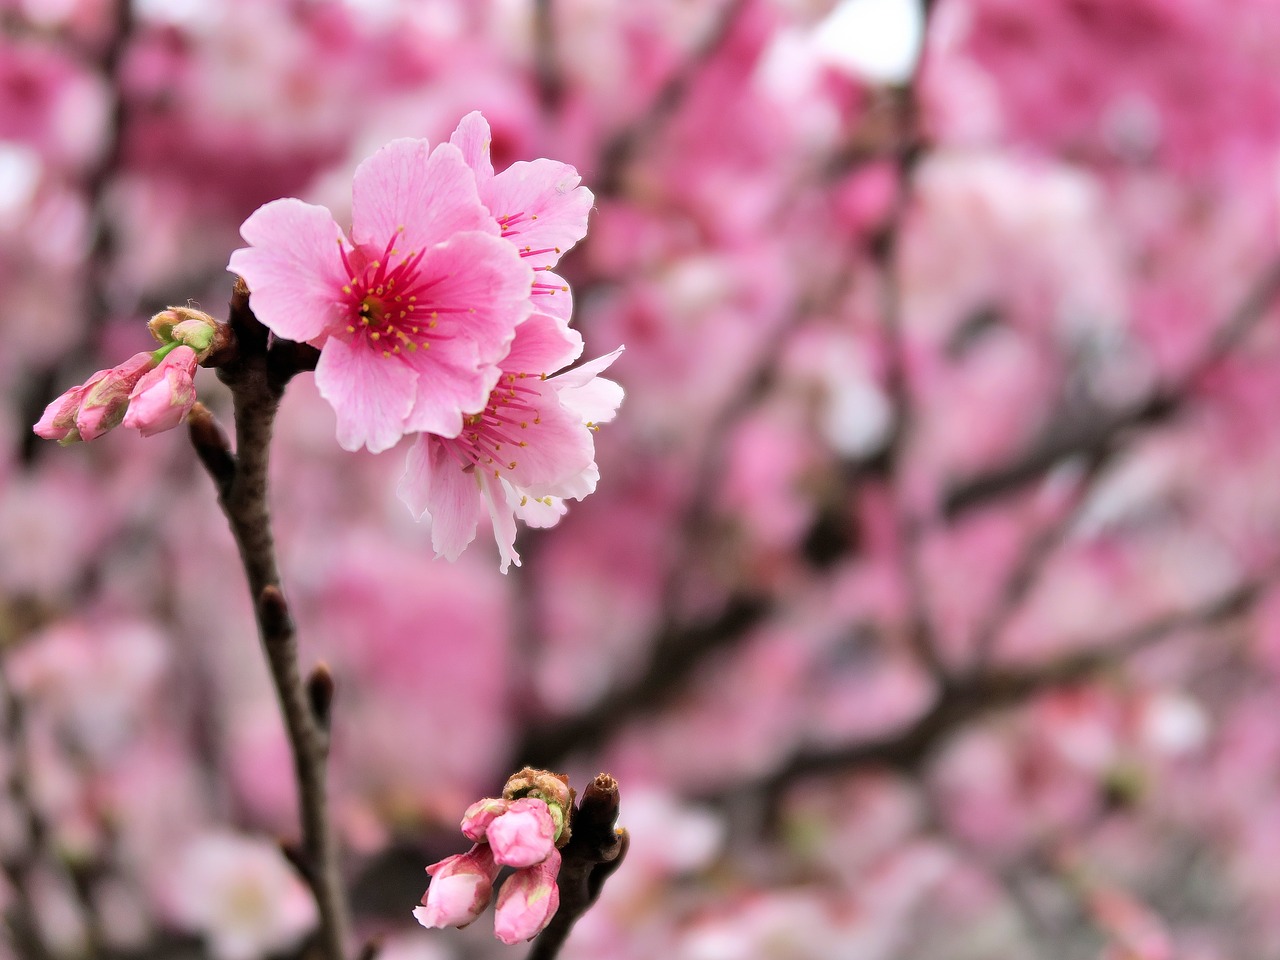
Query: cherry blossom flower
241, 893
412, 313
528, 448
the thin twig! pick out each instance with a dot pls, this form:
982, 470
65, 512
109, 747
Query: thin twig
975, 697
546, 63
595, 850
257, 380
621, 149
1088, 431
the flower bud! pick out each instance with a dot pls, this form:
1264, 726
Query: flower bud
524, 835
475, 822
460, 888
106, 396
59, 420
550, 787
527, 901
192, 328
162, 398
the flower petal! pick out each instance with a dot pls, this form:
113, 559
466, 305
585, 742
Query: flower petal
370, 393
501, 502
542, 345
428, 196
541, 206
293, 268
473, 138
588, 395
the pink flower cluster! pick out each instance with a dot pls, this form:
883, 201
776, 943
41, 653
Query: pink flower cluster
439, 317
518, 833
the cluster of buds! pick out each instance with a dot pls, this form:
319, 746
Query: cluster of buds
524, 829
150, 392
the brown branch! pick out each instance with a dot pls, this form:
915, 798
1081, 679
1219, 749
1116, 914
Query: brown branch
257, 383
975, 697
1037, 551
622, 148
546, 64
1089, 431
595, 850
678, 651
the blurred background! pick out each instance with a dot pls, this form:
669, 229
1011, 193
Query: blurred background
926, 608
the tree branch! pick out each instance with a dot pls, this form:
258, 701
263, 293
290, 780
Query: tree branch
257, 382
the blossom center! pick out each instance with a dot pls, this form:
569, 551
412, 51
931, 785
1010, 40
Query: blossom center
389, 302
492, 438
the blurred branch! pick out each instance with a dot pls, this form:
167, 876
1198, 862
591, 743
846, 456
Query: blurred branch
1037, 551
977, 696
677, 652
595, 850
1090, 431
546, 62
257, 379
622, 147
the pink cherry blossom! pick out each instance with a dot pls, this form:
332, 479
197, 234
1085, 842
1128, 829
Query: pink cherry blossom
412, 313
524, 835
528, 448
165, 395
527, 901
460, 889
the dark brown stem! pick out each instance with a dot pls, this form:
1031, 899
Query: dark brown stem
257, 382
546, 64
594, 852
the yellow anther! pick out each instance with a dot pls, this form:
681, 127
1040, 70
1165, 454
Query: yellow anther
350, 329
375, 335
386, 353
523, 501
347, 288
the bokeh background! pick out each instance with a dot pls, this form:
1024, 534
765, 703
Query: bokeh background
926, 607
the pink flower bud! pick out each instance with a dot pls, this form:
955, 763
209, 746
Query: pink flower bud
528, 901
460, 888
162, 399
475, 822
59, 420
524, 835
107, 395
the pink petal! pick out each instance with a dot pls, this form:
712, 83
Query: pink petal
552, 296
432, 196
370, 393
501, 501
481, 295
557, 446
542, 207
591, 397
473, 138
293, 268
542, 345
539, 513
434, 485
